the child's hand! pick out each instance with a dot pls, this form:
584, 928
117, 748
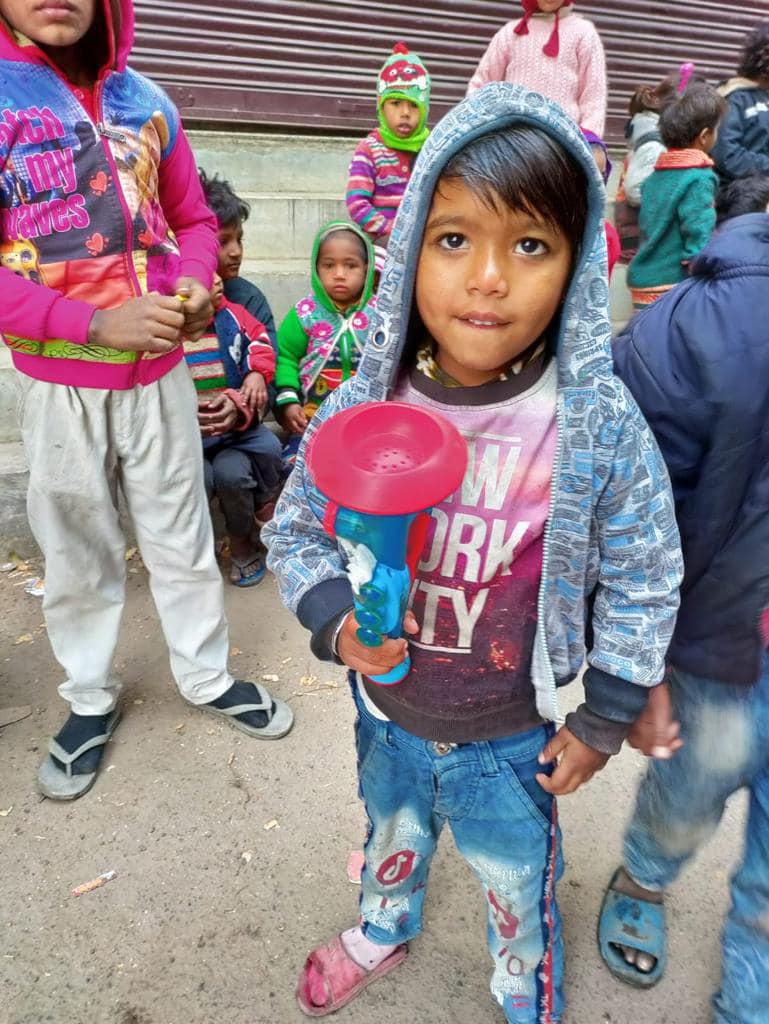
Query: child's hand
217, 416
149, 323
655, 731
254, 391
373, 661
576, 763
198, 308
294, 418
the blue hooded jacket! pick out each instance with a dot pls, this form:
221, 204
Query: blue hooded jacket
611, 552
697, 362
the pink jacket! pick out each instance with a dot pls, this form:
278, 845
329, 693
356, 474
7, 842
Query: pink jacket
92, 212
575, 79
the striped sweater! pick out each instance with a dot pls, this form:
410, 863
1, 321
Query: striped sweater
234, 345
377, 179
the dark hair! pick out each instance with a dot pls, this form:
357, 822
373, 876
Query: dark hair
755, 54
745, 195
220, 196
681, 122
528, 171
657, 97
334, 232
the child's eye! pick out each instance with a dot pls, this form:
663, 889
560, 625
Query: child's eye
531, 247
451, 241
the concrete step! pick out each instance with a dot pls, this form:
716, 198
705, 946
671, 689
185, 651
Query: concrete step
15, 534
9, 425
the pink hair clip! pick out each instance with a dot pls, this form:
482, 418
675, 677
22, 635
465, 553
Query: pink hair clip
684, 74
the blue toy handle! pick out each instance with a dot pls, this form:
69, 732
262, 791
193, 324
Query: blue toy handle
379, 609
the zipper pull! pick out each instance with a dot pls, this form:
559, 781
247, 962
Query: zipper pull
110, 133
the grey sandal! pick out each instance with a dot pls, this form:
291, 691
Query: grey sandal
63, 785
279, 719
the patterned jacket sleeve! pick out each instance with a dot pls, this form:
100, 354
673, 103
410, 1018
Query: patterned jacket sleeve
361, 186
306, 562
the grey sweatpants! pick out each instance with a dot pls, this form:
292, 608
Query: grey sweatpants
81, 444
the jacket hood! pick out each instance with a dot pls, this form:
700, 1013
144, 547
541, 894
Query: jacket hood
119, 16
582, 335
741, 243
319, 291
733, 84
642, 123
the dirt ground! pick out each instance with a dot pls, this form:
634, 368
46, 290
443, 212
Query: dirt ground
230, 855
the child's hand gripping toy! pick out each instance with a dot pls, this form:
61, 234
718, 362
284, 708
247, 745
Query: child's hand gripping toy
374, 473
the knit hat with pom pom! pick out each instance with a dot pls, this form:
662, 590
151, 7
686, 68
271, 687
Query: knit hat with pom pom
404, 77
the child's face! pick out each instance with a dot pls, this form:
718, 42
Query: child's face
549, 6
401, 117
341, 268
230, 249
488, 282
217, 291
56, 23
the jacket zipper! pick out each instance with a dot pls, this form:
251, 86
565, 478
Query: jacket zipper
546, 546
105, 134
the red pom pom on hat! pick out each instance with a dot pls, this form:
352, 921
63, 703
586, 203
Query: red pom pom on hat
400, 48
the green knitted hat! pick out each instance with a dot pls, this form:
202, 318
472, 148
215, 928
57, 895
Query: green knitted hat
403, 75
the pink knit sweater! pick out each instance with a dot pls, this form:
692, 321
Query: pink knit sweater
576, 78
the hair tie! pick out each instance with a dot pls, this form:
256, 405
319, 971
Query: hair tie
685, 73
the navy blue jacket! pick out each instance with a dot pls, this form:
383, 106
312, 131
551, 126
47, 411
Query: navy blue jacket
697, 363
742, 146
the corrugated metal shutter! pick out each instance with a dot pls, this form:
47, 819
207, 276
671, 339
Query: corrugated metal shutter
312, 64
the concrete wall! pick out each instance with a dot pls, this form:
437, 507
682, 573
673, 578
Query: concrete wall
294, 184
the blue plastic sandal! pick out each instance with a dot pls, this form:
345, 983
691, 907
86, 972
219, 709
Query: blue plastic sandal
626, 921
238, 575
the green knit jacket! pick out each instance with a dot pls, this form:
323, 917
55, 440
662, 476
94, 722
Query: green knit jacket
677, 217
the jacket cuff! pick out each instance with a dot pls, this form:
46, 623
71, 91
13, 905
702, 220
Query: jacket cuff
191, 266
320, 610
597, 732
70, 319
287, 396
612, 697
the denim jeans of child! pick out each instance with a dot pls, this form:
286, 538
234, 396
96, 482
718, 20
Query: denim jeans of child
505, 826
679, 805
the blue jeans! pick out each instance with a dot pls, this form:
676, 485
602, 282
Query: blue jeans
679, 805
505, 826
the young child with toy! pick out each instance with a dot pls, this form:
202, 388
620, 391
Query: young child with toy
555, 51
492, 312
100, 183
232, 364
382, 162
322, 336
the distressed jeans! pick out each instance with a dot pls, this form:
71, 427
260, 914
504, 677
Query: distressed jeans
679, 805
505, 826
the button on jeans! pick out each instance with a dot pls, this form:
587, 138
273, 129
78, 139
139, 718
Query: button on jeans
504, 824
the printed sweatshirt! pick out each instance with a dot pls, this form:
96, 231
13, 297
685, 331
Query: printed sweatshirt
93, 211
234, 345
319, 345
677, 217
575, 79
376, 181
611, 559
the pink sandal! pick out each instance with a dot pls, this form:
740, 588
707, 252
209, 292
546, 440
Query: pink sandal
342, 977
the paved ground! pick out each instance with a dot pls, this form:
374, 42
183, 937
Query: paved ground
230, 857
